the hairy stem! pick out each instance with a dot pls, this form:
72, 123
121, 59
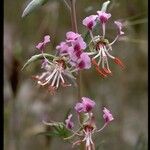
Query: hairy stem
75, 29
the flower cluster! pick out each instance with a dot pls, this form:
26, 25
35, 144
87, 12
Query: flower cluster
73, 48
69, 59
88, 125
99, 45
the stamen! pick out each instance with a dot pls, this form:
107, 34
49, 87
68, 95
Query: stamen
97, 55
119, 62
107, 71
112, 57
91, 53
55, 77
51, 75
43, 75
101, 73
52, 90
58, 79
100, 58
48, 79
97, 68
62, 79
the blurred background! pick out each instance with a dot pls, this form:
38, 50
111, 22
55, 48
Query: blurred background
125, 93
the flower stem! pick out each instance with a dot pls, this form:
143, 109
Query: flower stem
75, 29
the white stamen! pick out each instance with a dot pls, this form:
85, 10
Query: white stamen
91, 53
107, 63
55, 77
43, 75
99, 53
51, 75
62, 78
58, 79
112, 57
48, 79
103, 62
103, 52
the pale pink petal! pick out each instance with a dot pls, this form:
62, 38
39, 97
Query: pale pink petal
119, 26
69, 123
72, 36
46, 39
79, 107
107, 115
88, 103
84, 62
103, 16
39, 46
90, 21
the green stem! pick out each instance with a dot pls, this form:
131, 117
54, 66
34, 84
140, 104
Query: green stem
75, 29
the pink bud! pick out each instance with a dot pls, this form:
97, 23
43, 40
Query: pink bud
107, 115
41, 45
119, 26
69, 123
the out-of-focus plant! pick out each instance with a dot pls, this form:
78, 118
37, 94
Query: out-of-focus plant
64, 68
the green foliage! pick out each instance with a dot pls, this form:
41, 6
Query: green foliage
37, 57
58, 129
104, 6
33, 5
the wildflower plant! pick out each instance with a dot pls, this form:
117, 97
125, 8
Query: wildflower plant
72, 55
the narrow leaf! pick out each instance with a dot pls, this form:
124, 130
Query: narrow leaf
104, 6
37, 57
33, 5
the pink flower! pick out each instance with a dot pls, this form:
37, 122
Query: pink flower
79, 44
71, 36
85, 106
62, 47
103, 16
119, 26
107, 115
90, 22
41, 45
84, 62
69, 123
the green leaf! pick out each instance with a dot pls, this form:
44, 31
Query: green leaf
104, 6
58, 129
37, 57
33, 5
